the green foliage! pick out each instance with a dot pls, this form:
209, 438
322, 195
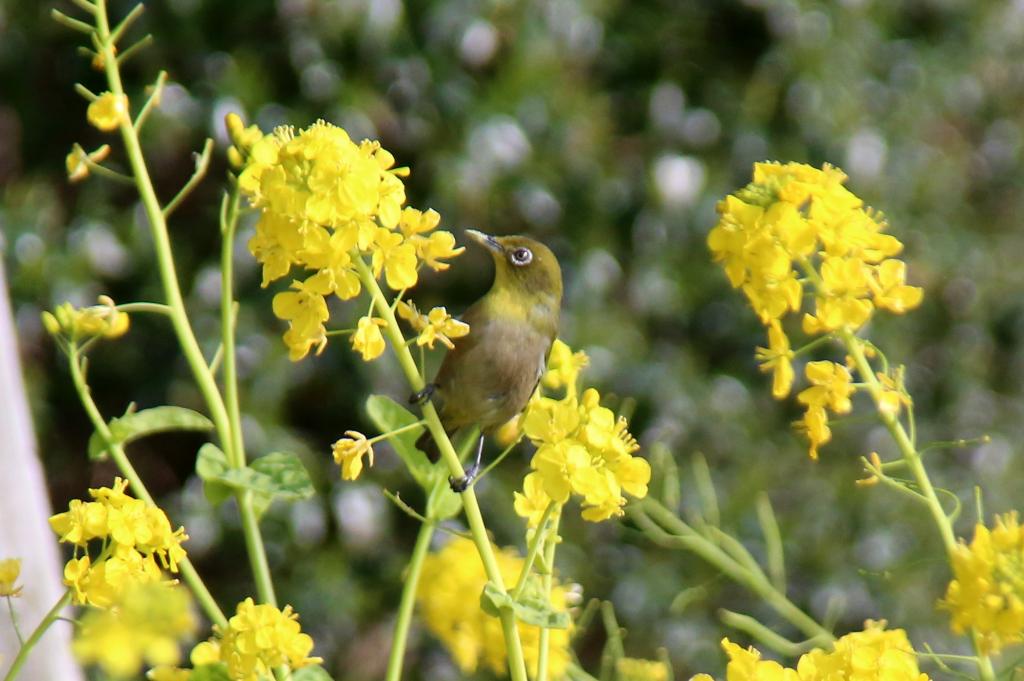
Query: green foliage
138, 424
531, 608
274, 476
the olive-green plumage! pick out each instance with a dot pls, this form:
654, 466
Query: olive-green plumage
491, 373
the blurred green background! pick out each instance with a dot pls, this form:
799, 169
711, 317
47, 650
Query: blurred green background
608, 130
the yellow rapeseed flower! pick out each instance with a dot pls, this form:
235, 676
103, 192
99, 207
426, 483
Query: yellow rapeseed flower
10, 568
305, 310
349, 451
582, 450
447, 598
633, 669
831, 388
564, 367
795, 226
778, 359
367, 339
77, 162
435, 326
144, 624
138, 538
259, 638
986, 594
107, 111
103, 320
326, 204
873, 654
869, 655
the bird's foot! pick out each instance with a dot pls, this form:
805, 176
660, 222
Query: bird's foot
460, 485
423, 395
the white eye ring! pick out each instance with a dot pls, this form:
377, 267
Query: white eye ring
521, 256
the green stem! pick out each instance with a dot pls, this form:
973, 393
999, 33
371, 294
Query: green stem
551, 543
517, 665
531, 551
27, 647
903, 442
117, 453
179, 317
397, 431
649, 511
14, 621
855, 347
405, 608
227, 327
755, 629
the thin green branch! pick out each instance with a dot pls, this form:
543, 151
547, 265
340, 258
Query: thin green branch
135, 48
664, 527
126, 23
26, 648
774, 553
411, 580
154, 308
120, 458
73, 24
182, 326
531, 552
152, 101
551, 541
14, 620
86, 94
760, 632
202, 165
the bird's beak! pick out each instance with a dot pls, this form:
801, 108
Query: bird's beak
485, 240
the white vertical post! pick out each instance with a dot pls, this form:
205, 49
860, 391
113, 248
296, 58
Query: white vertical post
24, 531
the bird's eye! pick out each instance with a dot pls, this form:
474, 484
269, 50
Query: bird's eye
522, 256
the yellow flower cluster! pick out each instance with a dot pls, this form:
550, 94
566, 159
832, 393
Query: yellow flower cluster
10, 568
582, 449
987, 591
435, 326
793, 226
103, 320
831, 388
447, 597
633, 669
145, 623
870, 655
137, 540
258, 638
327, 203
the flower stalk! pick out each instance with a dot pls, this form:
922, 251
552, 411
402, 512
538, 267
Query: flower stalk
49, 618
666, 528
120, 458
225, 422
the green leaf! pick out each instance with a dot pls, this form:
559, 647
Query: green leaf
532, 608
211, 464
135, 425
314, 673
274, 476
388, 415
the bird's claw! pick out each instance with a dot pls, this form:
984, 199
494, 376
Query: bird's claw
422, 396
460, 485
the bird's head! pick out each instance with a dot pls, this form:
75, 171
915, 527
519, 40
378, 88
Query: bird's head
523, 267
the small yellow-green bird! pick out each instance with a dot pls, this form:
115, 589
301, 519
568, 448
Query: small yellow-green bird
491, 373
